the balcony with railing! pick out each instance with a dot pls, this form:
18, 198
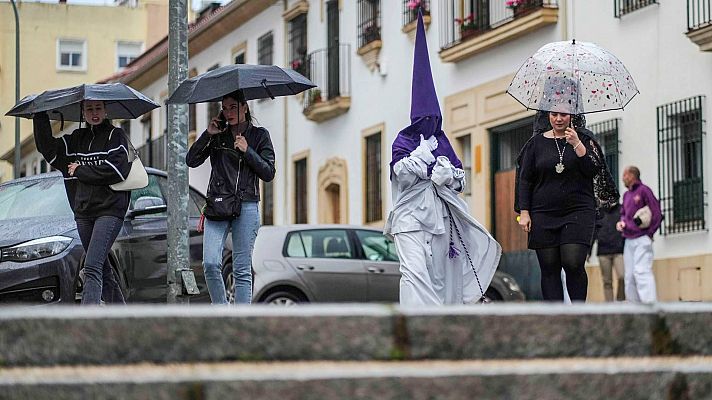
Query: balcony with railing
410, 14
623, 7
369, 31
330, 70
473, 26
699, 23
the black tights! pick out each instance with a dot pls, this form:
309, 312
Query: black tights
572, 258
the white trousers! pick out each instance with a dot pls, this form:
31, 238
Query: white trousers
639, 277
428, 276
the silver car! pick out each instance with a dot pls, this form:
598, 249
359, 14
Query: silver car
334, 263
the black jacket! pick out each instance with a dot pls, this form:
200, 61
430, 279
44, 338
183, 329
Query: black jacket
610, 241
235, 174
102, 152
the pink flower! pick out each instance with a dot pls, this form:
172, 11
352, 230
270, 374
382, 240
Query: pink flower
513, 3
413, 4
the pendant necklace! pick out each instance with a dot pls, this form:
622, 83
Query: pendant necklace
560, 166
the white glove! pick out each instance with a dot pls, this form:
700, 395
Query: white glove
442, 172
431, 142
424, 150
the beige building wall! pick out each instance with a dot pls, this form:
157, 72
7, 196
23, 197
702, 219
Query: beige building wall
42, 25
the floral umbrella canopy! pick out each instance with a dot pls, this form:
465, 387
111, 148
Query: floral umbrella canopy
574, 78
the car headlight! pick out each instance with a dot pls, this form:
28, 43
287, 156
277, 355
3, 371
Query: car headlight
35, 249
511, 284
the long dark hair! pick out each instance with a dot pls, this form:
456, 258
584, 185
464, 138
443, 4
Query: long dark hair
239, 97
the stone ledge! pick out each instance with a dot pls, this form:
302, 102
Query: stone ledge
164, 334
609, 379
702, 37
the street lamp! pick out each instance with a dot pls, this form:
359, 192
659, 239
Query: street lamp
16, 168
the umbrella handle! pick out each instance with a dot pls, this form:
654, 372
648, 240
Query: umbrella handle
264, 85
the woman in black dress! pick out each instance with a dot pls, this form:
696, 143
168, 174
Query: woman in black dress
562, 179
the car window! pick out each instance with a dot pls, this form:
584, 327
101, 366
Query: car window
34, 198
325, 243
151, 195
295, 248
376, 246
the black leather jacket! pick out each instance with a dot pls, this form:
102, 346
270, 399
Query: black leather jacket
235, 174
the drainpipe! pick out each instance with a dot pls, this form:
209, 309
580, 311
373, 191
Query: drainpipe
285, 143
563, 12
18, 150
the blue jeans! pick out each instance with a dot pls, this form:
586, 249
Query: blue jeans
244, 232
97, 236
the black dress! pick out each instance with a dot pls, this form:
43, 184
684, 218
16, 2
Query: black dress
561, 206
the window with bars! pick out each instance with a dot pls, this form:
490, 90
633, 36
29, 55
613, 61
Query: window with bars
680, 165
264, 49
622, 7
606, 134
300, 191
411, 7
466, 148
213, 107
298, 43
369, 21
267, 203
373, 172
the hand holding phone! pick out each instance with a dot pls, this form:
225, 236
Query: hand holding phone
217, 124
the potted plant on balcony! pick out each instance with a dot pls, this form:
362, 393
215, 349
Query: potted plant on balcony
414, 6
371, 33
468, 26
314, 96
517, 7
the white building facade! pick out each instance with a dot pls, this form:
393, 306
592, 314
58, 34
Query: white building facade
333, 145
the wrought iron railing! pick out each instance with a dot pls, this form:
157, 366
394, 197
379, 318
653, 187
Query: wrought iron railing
622, 7
369, 21
680, 165
461, 21
606, 134
330, 70
411, 7
699, 14
153, 153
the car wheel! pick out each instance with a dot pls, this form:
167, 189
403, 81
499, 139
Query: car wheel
493, 294
284, 298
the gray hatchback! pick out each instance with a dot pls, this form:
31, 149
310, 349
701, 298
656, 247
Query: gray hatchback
335, 263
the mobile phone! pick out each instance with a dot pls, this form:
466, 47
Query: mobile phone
222, 121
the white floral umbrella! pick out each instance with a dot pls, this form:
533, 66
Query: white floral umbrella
574, 78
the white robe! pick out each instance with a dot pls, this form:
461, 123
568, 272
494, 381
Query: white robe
420, 227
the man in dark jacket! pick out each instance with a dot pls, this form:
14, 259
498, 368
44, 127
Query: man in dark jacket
610, 251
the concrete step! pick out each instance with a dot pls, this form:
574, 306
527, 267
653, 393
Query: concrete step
163, 334
673, 378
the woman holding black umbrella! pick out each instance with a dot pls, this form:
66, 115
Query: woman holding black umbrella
240, 155
91, 159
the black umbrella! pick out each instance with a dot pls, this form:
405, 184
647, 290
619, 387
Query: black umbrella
255, 81
121, 102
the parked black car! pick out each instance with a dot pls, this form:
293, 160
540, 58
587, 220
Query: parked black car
40, 250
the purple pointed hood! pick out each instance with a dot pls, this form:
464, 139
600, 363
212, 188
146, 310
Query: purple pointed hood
425, 116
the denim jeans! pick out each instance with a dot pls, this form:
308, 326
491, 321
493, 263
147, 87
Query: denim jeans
244, 232
97, 236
